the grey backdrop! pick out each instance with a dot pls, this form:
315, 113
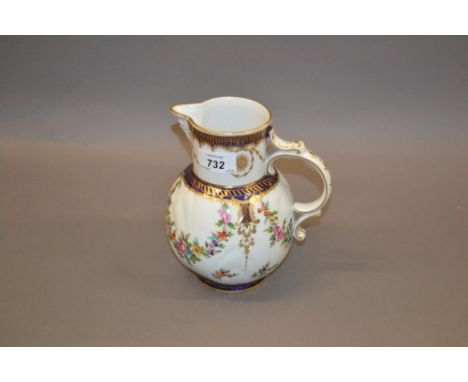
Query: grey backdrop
87, 156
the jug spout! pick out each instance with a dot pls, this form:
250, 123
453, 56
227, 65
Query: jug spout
185, 113
185, 110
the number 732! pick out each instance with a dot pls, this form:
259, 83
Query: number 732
215, 164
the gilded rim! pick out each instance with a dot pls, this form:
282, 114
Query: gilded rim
241, 193
222, 133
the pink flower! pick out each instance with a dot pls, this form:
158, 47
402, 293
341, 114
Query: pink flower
278, 232
181, 247
280, 236
225, 217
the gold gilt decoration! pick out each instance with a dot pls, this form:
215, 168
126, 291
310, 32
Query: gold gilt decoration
242, 162
240, 193
230, 140
247, 227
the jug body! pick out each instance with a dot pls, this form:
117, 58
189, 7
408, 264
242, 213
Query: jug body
231, 218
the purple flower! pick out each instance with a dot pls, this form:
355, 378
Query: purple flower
212, 247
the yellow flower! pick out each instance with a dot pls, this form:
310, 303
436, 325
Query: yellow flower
197, 250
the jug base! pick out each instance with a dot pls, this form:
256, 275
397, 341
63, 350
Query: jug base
230, 288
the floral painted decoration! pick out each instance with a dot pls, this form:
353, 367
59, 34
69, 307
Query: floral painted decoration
264, 270
278, 233
221, 272
192, 250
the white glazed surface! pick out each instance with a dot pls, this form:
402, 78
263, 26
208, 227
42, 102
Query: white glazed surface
255, 155
196, 214
234, 242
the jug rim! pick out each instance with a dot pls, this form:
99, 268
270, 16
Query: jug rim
192, 122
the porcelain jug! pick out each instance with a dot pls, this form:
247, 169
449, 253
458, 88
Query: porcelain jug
231, 217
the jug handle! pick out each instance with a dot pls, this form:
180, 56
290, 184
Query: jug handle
298, 149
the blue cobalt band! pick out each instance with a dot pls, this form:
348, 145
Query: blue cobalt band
241, 193
231, 141
229, 288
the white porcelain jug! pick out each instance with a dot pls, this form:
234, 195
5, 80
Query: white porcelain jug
231, 217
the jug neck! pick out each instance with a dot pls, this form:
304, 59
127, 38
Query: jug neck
229, 160
229, 139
